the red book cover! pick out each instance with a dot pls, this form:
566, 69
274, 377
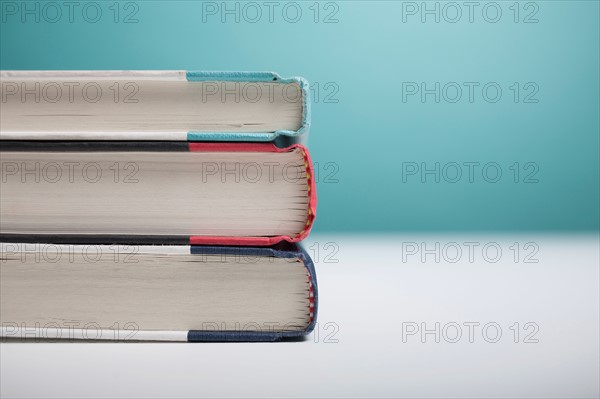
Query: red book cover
261, 147
157, 192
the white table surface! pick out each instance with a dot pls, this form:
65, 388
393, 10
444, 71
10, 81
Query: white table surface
365, 300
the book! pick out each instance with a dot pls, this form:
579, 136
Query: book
162, 192
155, 206
153, 105
53, 291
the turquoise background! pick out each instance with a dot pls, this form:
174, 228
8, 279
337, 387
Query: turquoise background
361, 141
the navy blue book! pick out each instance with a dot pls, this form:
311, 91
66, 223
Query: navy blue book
124, 292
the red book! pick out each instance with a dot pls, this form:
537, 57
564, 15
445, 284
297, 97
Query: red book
156, 192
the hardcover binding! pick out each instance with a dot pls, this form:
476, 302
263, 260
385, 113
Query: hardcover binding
173, 146
205, 76
175, 75
293, 251
261, 241
283, 250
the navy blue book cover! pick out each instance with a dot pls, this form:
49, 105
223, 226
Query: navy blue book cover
288, 251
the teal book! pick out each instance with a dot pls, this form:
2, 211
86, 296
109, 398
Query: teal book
153, 106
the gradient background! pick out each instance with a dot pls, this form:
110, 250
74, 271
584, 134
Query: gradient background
362, 134
357, 55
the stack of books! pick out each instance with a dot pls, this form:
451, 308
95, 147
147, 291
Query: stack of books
155, 205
